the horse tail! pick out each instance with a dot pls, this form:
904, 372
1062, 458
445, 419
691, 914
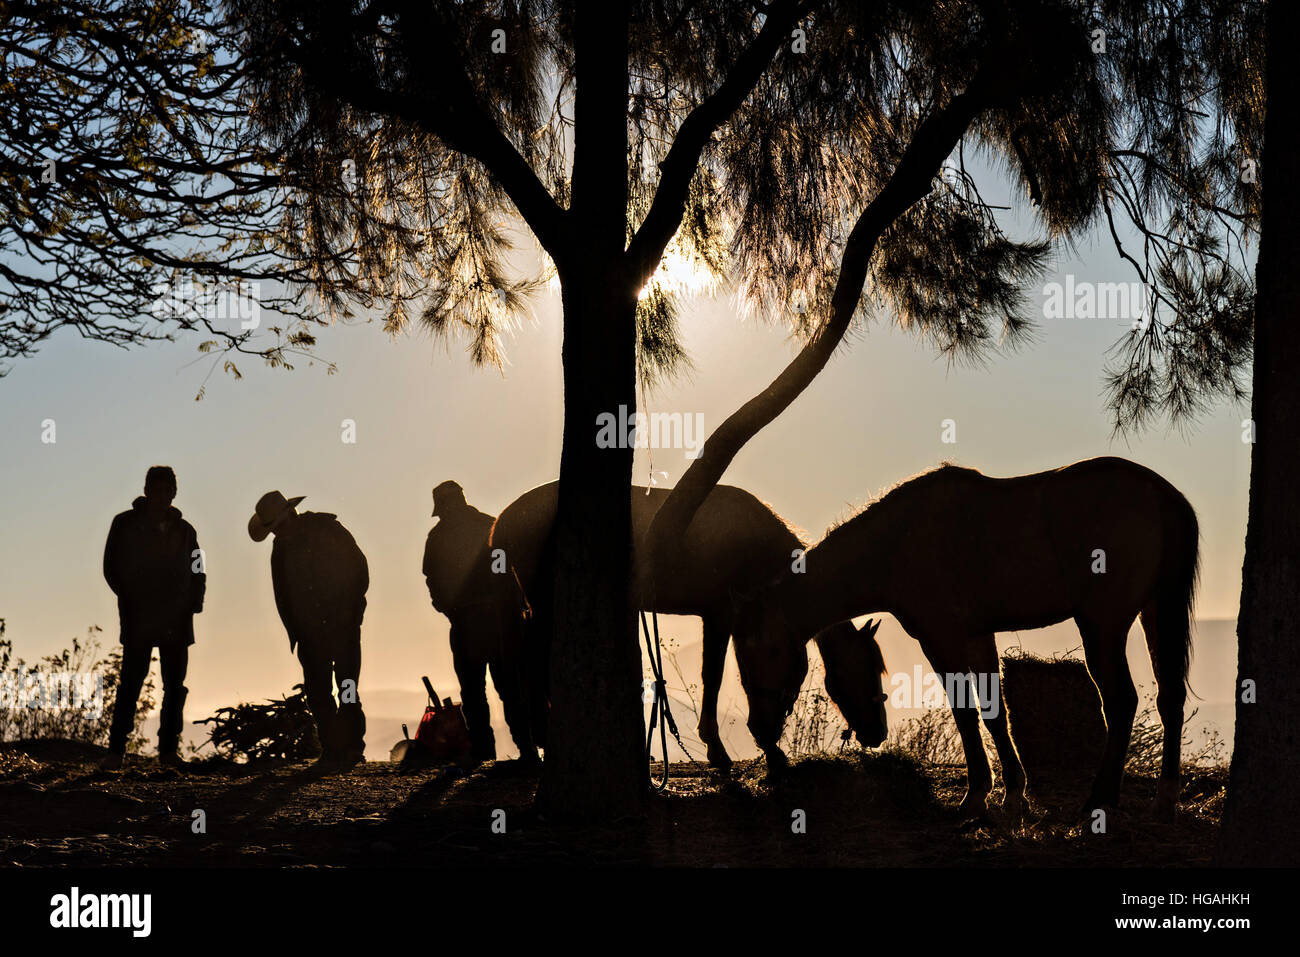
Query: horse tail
1180, 566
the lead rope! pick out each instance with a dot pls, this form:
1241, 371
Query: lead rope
661, 713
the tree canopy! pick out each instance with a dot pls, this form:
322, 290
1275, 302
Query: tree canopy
135, 197
359, 155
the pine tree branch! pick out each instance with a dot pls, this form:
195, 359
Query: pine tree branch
679, 166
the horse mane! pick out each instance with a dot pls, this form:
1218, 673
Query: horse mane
800, 534
884, 502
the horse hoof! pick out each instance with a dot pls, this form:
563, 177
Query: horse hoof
973, 808
720, 760
1099, 817
1166, 803
777, 762
525, 764
1013, 808
1164, 810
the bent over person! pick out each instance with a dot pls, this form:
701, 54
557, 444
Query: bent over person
320, 578
153, 564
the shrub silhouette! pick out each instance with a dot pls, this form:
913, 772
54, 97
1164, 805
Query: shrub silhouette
38, 721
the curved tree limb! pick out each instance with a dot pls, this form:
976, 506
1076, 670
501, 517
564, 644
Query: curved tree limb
680, 165
458, 120
935, 139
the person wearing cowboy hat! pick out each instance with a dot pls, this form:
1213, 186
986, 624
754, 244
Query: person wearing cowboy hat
153, 565
320, 578
482, 605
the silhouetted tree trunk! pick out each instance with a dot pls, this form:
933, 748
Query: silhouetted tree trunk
594, 761
1261, 824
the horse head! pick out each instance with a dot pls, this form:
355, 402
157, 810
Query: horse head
773, 662
855, 670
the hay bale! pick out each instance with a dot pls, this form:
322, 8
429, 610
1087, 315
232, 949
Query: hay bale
1056, 720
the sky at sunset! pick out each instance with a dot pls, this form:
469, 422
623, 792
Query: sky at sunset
423, 414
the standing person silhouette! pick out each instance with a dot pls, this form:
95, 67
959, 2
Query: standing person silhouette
320, 578
483, 608
153, 564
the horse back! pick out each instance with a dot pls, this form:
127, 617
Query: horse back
734, 543
1100, 531
1029, 551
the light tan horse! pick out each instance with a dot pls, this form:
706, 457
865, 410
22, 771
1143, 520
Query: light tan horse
956, 556
734, 544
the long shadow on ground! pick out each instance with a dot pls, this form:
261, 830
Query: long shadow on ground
862, 809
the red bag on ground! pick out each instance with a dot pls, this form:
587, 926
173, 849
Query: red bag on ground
442, 734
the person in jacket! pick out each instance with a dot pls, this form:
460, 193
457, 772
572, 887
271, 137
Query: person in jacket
320, 578
483, 606
153, 564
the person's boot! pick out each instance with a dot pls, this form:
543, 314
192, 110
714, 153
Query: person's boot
350, 759
328, 762
169, 741
350, 736
483, 748
331, 755
170, 723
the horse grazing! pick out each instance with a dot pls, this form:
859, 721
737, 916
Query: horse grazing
734, 544
956, 556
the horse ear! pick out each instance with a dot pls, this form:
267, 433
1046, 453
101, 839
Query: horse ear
869, 628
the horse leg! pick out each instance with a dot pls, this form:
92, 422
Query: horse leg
514, 701
984, 661
1170, 699
979, 776
1103, 647
716, 635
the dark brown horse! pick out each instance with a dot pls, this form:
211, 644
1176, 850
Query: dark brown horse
956, 556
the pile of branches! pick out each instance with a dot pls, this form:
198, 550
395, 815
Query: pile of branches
280, 730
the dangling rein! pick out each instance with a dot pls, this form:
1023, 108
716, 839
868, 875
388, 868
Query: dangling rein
660, 712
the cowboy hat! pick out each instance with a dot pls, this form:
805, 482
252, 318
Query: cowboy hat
272, 509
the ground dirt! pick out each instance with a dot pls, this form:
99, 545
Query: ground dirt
862, 809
